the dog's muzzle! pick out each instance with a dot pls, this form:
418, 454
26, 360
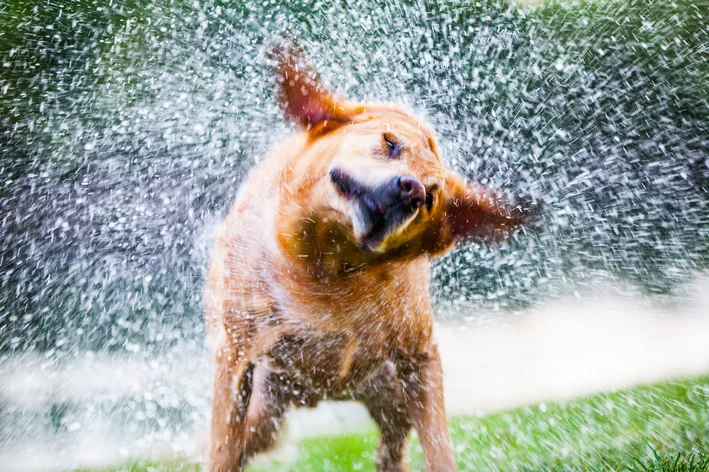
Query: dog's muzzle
381, 209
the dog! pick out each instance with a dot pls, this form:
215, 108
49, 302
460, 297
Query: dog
318, 285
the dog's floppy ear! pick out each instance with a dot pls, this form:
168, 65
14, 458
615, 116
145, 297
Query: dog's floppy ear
473, 211
303, 97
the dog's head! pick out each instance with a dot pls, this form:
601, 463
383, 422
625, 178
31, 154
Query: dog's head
370, 181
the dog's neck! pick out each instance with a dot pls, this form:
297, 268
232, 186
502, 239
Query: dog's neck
327, 252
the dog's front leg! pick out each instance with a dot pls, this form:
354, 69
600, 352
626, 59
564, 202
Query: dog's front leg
423, 387
232, 391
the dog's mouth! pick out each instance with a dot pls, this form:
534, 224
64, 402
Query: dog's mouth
381, 210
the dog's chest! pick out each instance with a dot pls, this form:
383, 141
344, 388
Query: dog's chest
330, 337
329, 364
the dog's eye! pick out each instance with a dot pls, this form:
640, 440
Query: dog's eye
393, 147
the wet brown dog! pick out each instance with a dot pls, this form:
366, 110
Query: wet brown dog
318, 286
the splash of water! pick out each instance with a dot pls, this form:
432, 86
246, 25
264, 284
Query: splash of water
127, 127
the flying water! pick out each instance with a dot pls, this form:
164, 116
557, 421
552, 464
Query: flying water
126, 128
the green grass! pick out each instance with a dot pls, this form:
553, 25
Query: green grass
659, 428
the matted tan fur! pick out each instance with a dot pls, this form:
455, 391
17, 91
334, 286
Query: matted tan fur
318, 285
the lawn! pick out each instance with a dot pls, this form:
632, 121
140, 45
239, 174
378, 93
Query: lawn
661, 427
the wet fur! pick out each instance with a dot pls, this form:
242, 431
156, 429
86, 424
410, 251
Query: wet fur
298, 309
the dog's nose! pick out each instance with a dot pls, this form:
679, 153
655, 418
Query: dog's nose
410, 190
